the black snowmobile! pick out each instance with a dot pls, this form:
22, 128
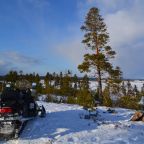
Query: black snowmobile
16, 108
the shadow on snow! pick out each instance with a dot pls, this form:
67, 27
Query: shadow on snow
57, 124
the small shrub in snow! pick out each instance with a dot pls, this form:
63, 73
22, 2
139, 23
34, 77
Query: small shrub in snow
84, 98
71, 100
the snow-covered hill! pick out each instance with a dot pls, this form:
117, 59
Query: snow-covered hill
63, 125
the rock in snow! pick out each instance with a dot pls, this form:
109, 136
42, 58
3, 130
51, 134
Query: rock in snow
138, 116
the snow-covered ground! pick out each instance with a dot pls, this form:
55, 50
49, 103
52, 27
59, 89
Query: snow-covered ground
138, 83
63, 125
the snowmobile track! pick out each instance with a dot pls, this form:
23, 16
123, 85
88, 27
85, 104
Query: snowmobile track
16, 133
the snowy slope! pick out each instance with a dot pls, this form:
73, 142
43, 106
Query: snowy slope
63, 125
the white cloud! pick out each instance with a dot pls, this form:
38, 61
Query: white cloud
131, 58
2, 62
72, 50
15, 61
5, 66
107, 6
36, 3
106, 3
125, 27
20, 58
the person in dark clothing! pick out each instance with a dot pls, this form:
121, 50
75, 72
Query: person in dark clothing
29, 108
28, 91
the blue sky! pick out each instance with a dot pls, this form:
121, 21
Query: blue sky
44, 35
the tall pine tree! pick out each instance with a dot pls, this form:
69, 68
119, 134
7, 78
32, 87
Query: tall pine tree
96, 38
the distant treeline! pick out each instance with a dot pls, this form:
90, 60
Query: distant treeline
76, 90
3, 77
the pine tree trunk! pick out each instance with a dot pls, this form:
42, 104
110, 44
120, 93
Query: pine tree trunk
99, 75
100, 86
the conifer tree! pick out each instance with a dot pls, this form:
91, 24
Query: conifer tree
114, 81
75, 84
61, 80
39, 88
66, 85
84, 97
47, 80
57, 81
21, 76
142, 90
107, 100
136, 91
96, 38
12, 76
130, 91
85, 82
123, 89
30, 77
37, 79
